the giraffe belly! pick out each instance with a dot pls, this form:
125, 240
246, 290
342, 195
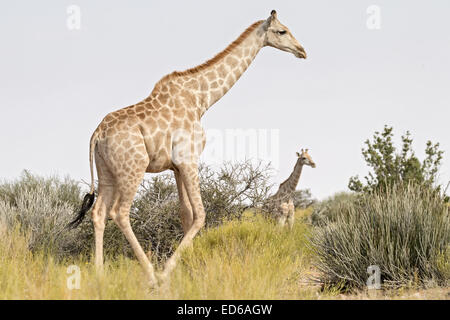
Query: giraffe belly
156, 167
159, 159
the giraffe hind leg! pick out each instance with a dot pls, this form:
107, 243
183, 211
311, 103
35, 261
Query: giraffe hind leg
101, 208
103, 203
128, 176
120, 213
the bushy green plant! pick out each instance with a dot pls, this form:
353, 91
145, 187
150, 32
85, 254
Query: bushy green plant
405, 230
391, 167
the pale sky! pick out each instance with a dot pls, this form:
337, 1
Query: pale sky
57, 84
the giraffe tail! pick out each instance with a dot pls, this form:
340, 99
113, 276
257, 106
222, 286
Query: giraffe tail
89, 198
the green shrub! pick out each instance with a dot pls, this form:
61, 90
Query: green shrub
404, 230
389, 167
328, 210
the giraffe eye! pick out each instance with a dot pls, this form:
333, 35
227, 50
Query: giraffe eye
282, 32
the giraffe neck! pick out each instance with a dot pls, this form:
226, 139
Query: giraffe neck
210, 81
226, 72
289, 186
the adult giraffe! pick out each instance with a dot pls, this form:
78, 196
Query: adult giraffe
164, 132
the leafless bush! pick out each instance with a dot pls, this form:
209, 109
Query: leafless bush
226, 194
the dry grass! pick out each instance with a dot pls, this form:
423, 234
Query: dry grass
400, 294
249, 259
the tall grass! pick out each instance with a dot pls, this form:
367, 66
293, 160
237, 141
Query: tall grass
405, 231
251, 259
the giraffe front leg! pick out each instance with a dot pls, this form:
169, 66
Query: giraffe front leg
189, 177
291, 214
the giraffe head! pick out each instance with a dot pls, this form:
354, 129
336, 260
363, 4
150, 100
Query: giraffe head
279, 36
305, 159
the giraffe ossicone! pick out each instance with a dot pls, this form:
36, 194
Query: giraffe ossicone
163, 132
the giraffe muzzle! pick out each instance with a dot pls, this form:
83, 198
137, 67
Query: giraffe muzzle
301, 53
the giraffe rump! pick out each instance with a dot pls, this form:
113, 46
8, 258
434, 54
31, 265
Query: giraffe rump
87, 204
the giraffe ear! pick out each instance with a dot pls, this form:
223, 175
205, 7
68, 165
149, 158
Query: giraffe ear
298, 154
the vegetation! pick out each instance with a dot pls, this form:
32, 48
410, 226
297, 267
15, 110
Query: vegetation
226, 194
303, 199
246, 259
391, 167
43, 207
330, 209
405, 230
398, 220
242, 259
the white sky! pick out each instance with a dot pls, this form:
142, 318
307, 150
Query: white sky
56, 85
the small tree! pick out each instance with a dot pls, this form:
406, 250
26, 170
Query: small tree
390, 167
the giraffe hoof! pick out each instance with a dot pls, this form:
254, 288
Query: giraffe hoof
152, 280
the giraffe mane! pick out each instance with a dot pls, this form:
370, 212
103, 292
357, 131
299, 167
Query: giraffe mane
216, 58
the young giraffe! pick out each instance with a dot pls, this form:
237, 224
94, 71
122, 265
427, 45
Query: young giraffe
163, 132
281, 204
